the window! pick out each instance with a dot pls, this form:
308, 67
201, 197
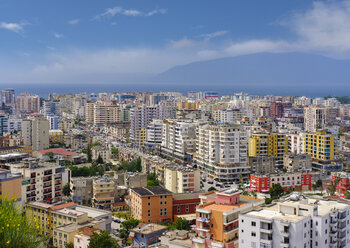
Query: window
253, 223
178, 209
187, 208
242, 221
149, 204
149, 198
253, 234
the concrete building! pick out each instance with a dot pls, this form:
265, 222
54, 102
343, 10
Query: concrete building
40, 181
8, 97
81, 189
103, 193
296, 143
140, 118
82, 238
181, 179
261, 165
222, 152
320, 145
296, 222
154, 133
28, 103
145, 235
292, 181
269, 144
297, 162
217, 218
3, 124
51, 107
35, 132
314, 118
10, 185
228, 115
152, 204
179, 139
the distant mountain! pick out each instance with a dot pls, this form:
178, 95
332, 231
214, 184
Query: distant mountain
263, 70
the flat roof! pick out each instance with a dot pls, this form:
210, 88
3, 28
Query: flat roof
71, 212
224, 208
151, 190
92, 212
148, 228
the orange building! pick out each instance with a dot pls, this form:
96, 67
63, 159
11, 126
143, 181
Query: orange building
151, 204
10, 185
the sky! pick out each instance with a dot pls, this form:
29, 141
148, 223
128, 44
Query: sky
109, 40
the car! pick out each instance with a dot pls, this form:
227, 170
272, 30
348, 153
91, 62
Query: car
117, 221
210, 182
218, 185
116, 233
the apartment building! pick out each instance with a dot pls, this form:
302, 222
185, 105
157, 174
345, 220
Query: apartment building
3, 124
179, 139
81, 189
222, 152
314, 118
297, 162
228, 115
28, 103
103, 193
11, 185
41, 181
154, 133
181, 179
296, 143
261, 165
102, 113
152, 204
145, 235
140, 118
293, 181
8, 97
320, 145
296, 222
269, 144
35, 132
217, 218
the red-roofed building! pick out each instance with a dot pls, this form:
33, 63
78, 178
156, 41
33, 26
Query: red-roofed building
60, 153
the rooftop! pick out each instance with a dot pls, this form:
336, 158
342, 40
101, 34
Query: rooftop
223, 208
58, 151
70, 212
148, 228
152, 190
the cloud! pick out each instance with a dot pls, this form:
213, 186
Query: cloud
57, 35
74, 21
110, 12
215, 34
14, 27
183, 43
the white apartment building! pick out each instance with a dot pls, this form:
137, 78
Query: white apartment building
297, 223
222, 151
140, 117
41, 181
154, 132
296, 143
228, 115
181, 179
28, 103
314, 118
178, 139
102, 113
14, 125
35, 133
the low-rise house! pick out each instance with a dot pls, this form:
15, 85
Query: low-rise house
145, 235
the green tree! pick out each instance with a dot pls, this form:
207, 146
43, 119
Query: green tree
125, 229
347, 194
66, 190
152, 179
182, 224
268, 200
102, 239
89, 153
276, 191
319, 183
17, 230
212, 188
99, 159
50, 155
333, 185
115, 152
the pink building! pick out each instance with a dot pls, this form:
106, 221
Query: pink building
217, 218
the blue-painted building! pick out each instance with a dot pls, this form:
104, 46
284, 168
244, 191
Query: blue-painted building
145, 235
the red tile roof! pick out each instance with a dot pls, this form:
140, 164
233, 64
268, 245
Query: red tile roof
58, 151
61, 206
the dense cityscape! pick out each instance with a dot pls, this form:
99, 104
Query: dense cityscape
146, 169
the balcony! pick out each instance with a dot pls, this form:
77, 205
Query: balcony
217, 244
333, 235
203, 219
285, 245
266, 242
198, 240
231, 235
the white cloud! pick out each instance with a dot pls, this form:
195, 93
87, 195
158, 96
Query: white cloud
74, 21
50, 48
14, 27
183, 43
215, 34
110, 12
57, 35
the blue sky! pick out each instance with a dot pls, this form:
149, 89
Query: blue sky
63, 41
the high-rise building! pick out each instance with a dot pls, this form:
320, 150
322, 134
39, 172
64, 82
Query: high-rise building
8, 97
296, 222
35, 132
320, 145
28, 103
51, 107
3, 124
103, 193
102, 113
154, 133
140, 118
179, 139
269, 144
314, 118
53, 122
222, 152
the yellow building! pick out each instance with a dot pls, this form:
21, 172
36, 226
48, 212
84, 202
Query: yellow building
273, 145
10, 185
103, 193
187, 106
320, 145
